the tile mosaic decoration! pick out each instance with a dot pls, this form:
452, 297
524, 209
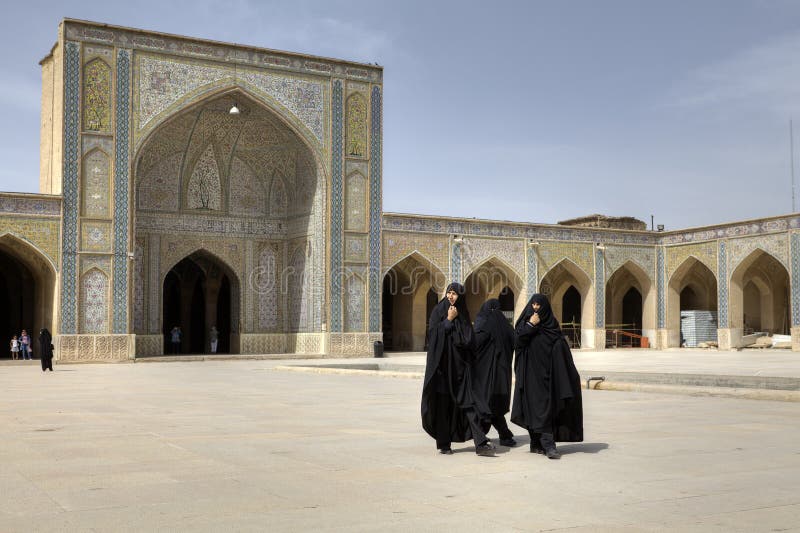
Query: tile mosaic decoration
355, 303
41, 233
95, 236
737, 229
490, 228
94, 302
97, 96
70, 187
616, 256
599, 289
455, 263
355, 248
705, 252
278, 199
96, 185
661, 275
336, 201
398, 245
532, 281
122, 149
163, 82
286, 61
375, 208
552, 253
777, 245
475, 251
355, 217
722, 286
267, 289
204, 190
356, 137
247, 194
139, 286
29, 205
795, 280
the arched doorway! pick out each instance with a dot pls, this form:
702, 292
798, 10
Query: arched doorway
27, 284
492, 279
507, 303
759, 295
630, 305
411, 289
197, 295
691, 298
568, 288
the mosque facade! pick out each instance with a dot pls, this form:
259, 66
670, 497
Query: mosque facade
160, 207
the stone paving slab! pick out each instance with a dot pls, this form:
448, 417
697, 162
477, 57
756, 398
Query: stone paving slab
239, 446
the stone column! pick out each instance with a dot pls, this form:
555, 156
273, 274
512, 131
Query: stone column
794, 282
727, 337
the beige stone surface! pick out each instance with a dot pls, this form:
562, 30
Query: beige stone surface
239, 446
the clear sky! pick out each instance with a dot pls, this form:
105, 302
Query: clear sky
512, 110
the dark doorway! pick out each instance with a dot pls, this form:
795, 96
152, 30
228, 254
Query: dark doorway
431, 300
506, 299
689, 300
16, 301
198, 295
632, 311
571, 316
571, 306
388, 310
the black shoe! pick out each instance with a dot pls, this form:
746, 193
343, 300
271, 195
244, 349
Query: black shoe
446, 451
552, 453
537, 448
510, 442
486, 449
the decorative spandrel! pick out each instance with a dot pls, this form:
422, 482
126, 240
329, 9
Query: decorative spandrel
97, 96
356, 126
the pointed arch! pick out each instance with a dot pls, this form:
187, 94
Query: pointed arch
692, 286
556, 284
487, 280
27, 286
758, 295
407, 285
631, 300
242, 93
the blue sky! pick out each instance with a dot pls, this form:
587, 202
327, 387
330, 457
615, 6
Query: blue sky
529, 111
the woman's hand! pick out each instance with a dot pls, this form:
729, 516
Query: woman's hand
452, 313
534, 319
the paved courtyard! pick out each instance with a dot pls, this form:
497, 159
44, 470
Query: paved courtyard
241, 446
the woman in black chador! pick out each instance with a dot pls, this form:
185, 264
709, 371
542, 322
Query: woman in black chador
46, 349
547, 395
451, 409
494, 340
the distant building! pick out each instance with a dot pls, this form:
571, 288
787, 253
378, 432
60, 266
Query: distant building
603, 221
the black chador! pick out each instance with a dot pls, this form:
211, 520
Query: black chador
547, 394
451, 409
46, 349
494, 341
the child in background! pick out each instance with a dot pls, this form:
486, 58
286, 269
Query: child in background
14, 347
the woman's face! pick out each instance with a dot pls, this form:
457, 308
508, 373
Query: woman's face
536, 306
452, 296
